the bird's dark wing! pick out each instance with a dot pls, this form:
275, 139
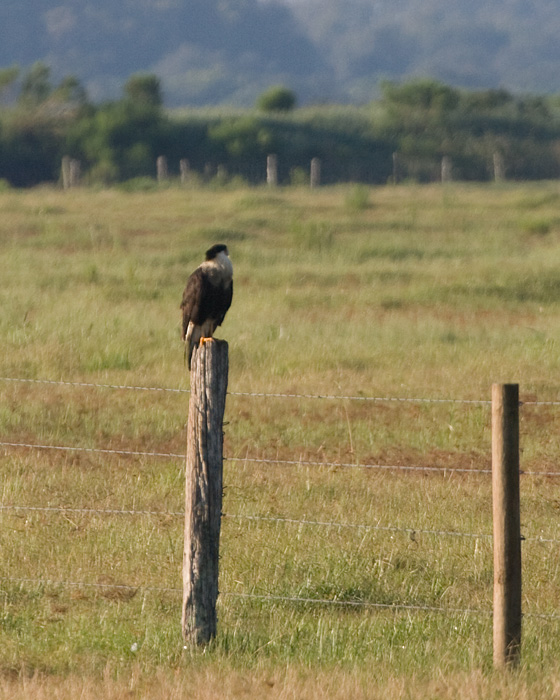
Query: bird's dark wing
225, 302
194, 296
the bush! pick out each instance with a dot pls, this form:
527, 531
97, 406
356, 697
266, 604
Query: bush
139, 184
277, 99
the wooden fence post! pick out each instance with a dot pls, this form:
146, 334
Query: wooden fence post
446, 169
184, 168
66, 172
395, 168
499, 167
315, 176
271, 170
507, 526
203, 491
71, 171
162, 170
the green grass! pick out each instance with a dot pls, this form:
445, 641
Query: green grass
409, 291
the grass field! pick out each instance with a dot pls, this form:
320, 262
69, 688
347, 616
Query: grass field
399, 292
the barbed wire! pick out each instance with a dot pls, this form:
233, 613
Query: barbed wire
411, 531
266, 460
242, 516
68, 448
92, 511
351, 465
94, 385
331, 397
337, 397
383, 528
273, 598
387, 606
254, 596
86, 584
253, 460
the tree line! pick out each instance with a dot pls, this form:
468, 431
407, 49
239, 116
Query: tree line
421, 122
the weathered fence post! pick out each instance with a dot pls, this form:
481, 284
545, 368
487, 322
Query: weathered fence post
507, 527
499, 167
66, 172
203, 490
75, 172
162, 170
315, 177
272, 170
71, 171
395, 168
446, 169
184, 168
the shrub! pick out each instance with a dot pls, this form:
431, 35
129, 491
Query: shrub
277, 99
357, 198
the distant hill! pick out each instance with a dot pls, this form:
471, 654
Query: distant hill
205, 51
510, 44
228, 51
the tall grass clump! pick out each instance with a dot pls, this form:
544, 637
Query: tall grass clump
357, 198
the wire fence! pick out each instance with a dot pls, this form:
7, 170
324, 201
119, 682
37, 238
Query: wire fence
255, 596
243, 516
286, 462
412, 532
328, 397
392, 607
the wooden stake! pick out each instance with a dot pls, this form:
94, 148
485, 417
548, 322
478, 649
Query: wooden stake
272, 170
507, 527
203, 492
315, 176
75, 172
499, 168
184, 168
66, 160
162, 170
395, 168
71, 170
446, 169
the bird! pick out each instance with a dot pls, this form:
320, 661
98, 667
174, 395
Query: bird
207, 297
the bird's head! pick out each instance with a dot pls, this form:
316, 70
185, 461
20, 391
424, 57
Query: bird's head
215, 250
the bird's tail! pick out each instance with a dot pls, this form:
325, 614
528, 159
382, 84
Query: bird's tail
189, 339
189, 347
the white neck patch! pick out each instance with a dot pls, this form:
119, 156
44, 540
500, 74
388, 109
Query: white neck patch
219, 268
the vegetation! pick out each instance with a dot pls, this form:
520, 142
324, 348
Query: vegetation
144, 90
408, 291
420, 121
277, 99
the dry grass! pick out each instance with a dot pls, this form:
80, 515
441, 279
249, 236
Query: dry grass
290, 684
426, 292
